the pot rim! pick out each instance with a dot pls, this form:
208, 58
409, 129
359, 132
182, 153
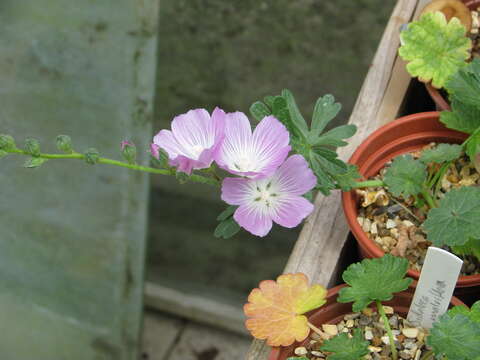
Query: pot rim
349, 204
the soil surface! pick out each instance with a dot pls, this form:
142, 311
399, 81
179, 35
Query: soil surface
395, 224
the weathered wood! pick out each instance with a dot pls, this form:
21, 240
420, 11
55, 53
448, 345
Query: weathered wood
160, 332
195, 307
201, 342
323, 236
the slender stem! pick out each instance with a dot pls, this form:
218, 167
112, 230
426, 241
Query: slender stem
316, 330
381, 311
368, 183
102, 160
428, 199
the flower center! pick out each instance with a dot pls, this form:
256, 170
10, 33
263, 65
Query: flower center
243, 164
265, 194
197, 150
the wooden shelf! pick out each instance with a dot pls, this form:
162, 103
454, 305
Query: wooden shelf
322, 242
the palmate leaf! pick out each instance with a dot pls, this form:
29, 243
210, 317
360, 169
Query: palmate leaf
455, 336
473, 313
374, 279
345, 348
465, 84
405, 176
326, 109
472, 149
434, 48
456, 220
463, 117
275, 309
441, 153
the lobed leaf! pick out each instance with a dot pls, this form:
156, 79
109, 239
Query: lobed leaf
34, 162
335, 136
259, 110
374, 279
465, 84
441, 153
473, 313
456, 337
435, 48
325, 111
405, 176
296, 117
345, 348
275, 309
463, 117
455, 221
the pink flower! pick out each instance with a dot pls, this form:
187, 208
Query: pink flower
125, 143
253, 155
277, 198
193, 141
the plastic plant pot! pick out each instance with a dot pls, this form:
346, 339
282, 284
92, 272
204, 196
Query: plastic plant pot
401, 136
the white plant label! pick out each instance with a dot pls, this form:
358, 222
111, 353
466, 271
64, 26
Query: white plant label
435, 287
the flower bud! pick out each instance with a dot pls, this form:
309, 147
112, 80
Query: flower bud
32, 146
64, 143
6, 142
92, 156
129, 152
159, 156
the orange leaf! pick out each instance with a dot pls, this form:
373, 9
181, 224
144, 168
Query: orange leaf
275, 309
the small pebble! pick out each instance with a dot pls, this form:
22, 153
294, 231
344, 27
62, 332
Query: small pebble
411, 333
330, 329
301, 351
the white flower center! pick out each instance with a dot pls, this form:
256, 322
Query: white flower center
196, 150
265, 195
243, 164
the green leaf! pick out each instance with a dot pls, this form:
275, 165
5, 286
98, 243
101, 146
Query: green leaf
473, 313
441, 153
228, 212
456, 337
465, 118
296, 117
335, 136
406, 176
434, 48
34, 162
268, 100
471, 247
259, 110
465, 84
182, 177
227, 228
280, 111
7, 142
374, 279
456, 220
345, 348
472, 149
348, 179
325, 111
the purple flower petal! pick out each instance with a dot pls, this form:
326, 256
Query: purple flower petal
292, 211
235, 190
295, 177
275, 198
253, 221
194, 139
254, 155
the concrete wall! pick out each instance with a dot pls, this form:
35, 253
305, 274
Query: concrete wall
72, 236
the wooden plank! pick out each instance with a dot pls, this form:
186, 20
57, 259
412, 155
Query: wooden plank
323, 236
195, 307
160, 332
201, 342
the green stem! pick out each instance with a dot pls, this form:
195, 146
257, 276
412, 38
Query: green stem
428, 199
171, 172
368, 183
381, 311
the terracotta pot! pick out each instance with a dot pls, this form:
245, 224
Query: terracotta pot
401, 136
332, 312
437, 97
